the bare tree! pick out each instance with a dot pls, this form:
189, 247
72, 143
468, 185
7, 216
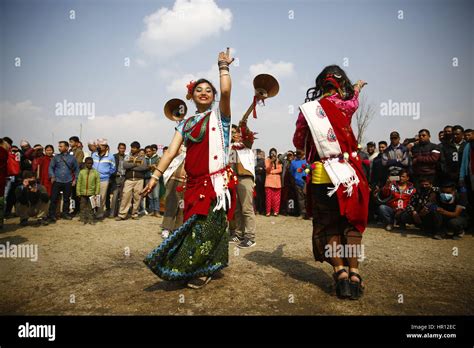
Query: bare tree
363, 116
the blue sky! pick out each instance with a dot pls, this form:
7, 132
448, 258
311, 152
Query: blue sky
82, 60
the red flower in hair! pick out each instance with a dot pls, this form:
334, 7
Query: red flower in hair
190, 87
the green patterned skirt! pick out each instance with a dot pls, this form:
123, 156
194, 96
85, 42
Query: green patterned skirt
198, 248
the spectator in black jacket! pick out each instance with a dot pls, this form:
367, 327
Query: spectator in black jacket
378, 173
32, 200
378, 177
260, 175
451, 154
422, 208
450, 219
135, 168
425, 157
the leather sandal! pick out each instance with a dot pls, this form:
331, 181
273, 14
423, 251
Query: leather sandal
343, 289
356, 288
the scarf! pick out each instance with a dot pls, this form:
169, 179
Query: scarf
335, 163
218, 159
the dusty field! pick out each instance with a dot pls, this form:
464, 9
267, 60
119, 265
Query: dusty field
278, 276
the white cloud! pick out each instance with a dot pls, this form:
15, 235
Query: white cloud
177, 86
20, 107
141, 63
278, 70
169, 32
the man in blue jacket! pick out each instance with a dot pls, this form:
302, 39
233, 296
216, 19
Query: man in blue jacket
299, 175
104, 163
63, 171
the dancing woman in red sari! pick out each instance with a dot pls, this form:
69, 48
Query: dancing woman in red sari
199, 247
338, 193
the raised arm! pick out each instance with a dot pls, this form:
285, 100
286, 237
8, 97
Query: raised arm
224, 61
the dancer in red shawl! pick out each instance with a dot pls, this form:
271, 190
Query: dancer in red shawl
199, 247
338, 194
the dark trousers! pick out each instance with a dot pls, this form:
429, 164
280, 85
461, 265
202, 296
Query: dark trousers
435, 223
58, 187
260, 194
301, 199
77, 202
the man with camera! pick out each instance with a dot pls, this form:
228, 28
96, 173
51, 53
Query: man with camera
32, 200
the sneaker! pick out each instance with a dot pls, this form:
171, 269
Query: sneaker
24, 222
234, 239
165, 234
246, 243
44, 222
66, 217
438, 237
118, 218
389, 227
52, 220
135, 217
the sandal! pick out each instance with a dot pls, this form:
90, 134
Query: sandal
343, 289
357, 289
198, 283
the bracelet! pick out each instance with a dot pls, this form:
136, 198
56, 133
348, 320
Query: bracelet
224, 74
224, 68
155, 177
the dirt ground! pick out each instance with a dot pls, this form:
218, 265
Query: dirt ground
85, 270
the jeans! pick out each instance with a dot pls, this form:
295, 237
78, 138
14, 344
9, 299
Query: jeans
154, 198
386, 213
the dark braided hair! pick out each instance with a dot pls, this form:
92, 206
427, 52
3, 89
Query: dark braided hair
324, 86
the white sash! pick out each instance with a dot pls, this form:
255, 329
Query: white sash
218, 159
175, 163
327, 145
246, 158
